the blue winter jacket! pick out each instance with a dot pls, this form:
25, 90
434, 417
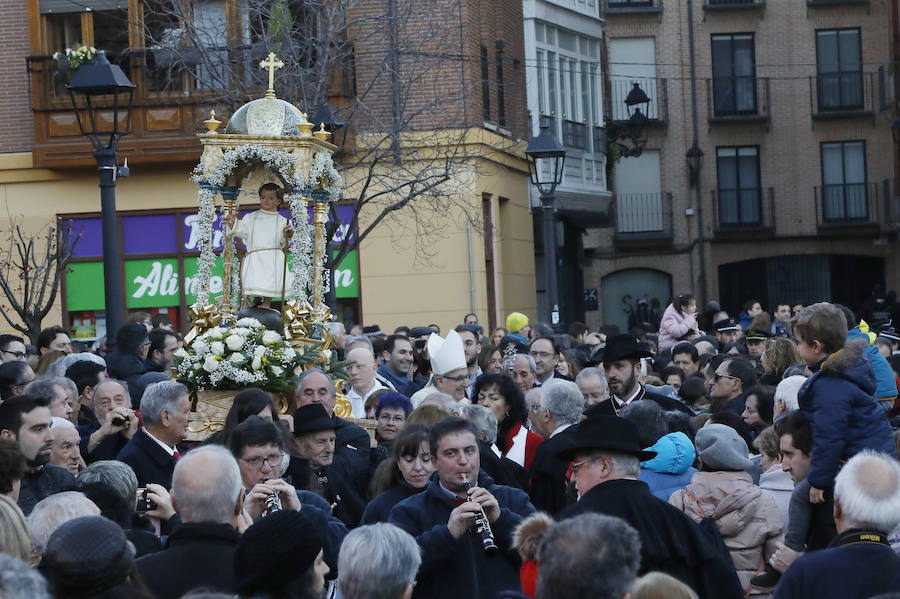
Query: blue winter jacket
839, 400
671, 469
453, 568
885, 383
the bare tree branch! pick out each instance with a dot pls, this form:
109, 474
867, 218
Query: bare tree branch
30, 275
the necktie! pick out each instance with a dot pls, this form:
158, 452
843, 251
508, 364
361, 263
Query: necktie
176, 455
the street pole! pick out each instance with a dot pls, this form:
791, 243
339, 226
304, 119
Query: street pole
697, 192
547, 207
107, 161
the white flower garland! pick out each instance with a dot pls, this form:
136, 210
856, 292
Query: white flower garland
301, 247
324, 172
206, 198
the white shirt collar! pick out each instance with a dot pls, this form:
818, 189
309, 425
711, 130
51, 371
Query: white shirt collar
559, 429
169, 450
625, 402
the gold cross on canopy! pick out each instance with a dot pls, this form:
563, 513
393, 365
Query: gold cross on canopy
271, 64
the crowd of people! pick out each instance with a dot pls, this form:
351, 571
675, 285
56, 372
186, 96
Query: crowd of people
713, 457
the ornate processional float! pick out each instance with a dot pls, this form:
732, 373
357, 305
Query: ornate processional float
235, 343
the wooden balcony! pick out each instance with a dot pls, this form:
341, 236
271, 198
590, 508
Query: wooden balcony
170, 102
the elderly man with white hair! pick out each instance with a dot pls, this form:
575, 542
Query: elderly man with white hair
503, 470
208, 494
54, 511
859, 562
65, 451
378, 561
152, 451
786, 395
560, 408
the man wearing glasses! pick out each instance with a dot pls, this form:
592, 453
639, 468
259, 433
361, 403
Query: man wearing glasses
448, 365
728, 384
12, 349
606, 453
258, 447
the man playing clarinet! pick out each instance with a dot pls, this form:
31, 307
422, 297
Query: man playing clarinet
456, 526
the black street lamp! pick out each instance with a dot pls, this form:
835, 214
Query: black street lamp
634, 130
895, 130
694, 158
546, 161
101, 98
329, 115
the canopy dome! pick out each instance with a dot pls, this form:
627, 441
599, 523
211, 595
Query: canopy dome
266, 117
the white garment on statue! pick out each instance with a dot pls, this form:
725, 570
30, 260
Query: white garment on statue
358, 402
263, 266
517, 452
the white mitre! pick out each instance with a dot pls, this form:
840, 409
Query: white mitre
447, 354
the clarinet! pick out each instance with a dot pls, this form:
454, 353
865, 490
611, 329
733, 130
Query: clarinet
482, 526
273, 501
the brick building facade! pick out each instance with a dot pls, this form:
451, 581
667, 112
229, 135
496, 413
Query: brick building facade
794, 117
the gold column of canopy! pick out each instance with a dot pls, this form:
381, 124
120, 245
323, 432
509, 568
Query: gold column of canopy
320, 217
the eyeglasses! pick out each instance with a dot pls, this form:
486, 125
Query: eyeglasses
575, 466
456, 379
274, 461
717, 377
18, 354
595, 395
389, 418
534, 408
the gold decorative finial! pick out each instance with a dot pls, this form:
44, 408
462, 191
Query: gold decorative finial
305, 126
322, 133
271, 64
212, 123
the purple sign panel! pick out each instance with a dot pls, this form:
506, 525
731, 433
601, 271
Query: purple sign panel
191, 232
191, 228
151, 234
91, 231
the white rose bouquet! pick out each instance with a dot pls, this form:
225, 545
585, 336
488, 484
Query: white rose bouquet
244, 355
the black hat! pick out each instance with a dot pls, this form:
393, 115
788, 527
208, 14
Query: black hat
373, 331
88, 556
311, 418
758, 335
726, 324
275, 551
606, 432
625, 347
420, 331
889, 332
475, 328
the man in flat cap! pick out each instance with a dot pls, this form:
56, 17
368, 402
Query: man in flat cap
622, 365
606, 453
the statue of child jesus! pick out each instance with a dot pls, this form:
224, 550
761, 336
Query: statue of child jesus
264, 232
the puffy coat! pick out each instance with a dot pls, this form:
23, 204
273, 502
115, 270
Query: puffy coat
839, 400
885, 383
671, 469
674, 326
748, 519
